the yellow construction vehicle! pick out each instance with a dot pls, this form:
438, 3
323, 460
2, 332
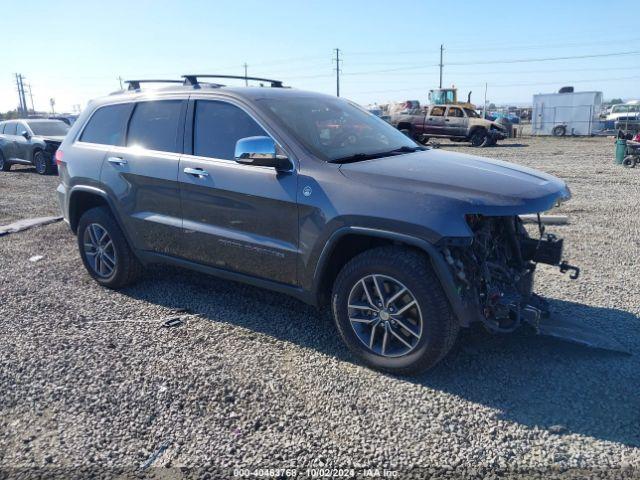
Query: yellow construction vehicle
449, 96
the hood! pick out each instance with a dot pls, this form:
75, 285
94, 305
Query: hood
57, 139
484, 186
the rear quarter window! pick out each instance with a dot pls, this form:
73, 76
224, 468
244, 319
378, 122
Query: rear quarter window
107, 125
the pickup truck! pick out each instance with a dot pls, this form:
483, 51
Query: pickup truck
455, 122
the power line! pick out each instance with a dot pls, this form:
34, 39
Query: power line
547, 59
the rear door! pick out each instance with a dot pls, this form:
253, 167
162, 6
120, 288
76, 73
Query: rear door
237, 217
435, 121
455, 122
6, 140
142, 174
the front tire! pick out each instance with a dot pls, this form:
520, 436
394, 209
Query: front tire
391, 311
105, 251
43, 166
4, 165
479, 138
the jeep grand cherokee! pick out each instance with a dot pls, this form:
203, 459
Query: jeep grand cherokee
310, 195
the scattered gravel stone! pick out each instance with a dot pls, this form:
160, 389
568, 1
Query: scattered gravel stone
91, 387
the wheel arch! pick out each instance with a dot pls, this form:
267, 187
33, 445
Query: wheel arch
405, 126
475, 128
347, 242
83, 198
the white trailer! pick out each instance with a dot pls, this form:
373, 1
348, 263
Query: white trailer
572, 113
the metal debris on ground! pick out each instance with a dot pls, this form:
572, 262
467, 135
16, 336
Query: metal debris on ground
163, 446
36, 258
26, 224
546, 219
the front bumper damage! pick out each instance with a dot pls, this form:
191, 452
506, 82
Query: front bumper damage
493, 276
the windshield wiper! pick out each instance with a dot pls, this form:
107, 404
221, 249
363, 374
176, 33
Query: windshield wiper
358, 157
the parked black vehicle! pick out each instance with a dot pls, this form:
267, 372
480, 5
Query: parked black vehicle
31, 142
310, 195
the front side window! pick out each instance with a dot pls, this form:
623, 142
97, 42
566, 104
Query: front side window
154, 125
471, 113
48, 128
218, 126
333, 128
21, 129
107, 125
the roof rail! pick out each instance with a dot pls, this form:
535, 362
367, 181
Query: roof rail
193, 79
135, 84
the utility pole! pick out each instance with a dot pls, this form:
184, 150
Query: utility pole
31, 96
441, 64
52, 102
120, 80
246, 82
21, 96
337, 59
484, 110
21, 107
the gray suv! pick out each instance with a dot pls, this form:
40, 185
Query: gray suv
313, 196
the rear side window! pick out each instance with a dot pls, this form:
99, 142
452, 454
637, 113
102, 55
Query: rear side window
437, 111
107, 125
217, 128
10, 128
154, 125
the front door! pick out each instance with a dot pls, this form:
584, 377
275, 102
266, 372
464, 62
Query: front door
236, 217
455, 122
20, 143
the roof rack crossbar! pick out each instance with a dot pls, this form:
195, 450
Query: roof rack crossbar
193, 79
135, 84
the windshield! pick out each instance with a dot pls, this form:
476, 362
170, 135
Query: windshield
334, 129
471, 113
51, 128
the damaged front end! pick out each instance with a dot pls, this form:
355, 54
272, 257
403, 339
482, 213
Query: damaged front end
494, 277
494, 274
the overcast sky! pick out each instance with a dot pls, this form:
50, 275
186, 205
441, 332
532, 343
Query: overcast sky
76, 50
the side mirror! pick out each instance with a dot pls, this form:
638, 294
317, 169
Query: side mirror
26, 134
260, 151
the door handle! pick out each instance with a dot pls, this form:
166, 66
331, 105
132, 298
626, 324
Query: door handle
446, 119
117, 160
197, 172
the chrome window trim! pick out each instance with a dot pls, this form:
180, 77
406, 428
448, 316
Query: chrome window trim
236, 103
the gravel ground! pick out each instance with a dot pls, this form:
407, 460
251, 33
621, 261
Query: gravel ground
89, 382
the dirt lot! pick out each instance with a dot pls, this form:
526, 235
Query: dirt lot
89, 381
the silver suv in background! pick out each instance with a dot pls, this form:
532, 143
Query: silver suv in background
313, 196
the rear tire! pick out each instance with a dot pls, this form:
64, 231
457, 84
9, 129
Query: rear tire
108, 259
479, 138
43, 166
432, 327
407, 132
4, 165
